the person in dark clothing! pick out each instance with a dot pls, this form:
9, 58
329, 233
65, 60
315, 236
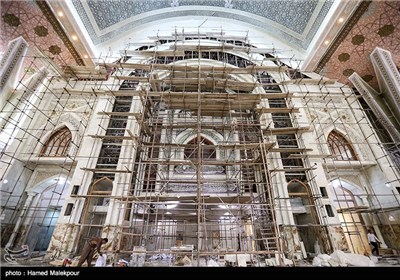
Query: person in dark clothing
88, 250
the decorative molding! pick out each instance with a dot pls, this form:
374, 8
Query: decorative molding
35, 82
362, 8
385, 68
42, 176
48, 13
207, 188
365, 90
15, 52
205, 169
292, 22
7, 54
386, 109
70, 119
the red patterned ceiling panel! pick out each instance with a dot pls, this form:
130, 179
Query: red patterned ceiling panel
378, 27
24, 18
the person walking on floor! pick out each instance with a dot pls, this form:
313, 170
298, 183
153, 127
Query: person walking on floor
374, 241
88, 250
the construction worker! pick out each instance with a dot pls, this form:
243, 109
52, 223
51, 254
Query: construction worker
88, 250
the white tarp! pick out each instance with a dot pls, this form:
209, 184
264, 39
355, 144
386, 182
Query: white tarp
101, 260
351, 259
340, 258
321, 260
211, 262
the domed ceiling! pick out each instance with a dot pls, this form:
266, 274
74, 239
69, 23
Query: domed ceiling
372, 24
293, 22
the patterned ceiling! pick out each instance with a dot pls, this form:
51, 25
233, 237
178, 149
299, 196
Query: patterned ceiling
378, 27
294, 22
26, 19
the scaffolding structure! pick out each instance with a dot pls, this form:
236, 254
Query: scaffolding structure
197, 144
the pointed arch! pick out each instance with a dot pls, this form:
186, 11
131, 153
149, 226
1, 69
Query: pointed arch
304, 213
58, 143
43, 213
102, 186
340, 147
95, 208
345, 194
208, 152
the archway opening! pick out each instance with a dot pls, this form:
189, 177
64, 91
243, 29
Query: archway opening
45, 213
349, 207
312, 234
96, 207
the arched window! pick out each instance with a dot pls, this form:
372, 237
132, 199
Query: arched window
340, 148
58, 143
102, 187
207, 152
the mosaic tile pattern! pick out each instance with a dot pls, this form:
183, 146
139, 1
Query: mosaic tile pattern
294, 15
24, 18
378, 27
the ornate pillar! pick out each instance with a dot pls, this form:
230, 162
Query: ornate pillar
10, 66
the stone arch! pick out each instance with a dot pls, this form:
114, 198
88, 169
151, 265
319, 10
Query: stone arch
44, 138
185, 136
352, 135
340, 147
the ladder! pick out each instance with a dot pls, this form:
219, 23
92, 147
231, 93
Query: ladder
269, 231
